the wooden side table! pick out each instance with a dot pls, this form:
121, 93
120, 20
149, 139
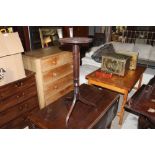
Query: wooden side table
119, 84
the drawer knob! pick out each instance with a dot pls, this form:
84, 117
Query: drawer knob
54, 62
18, 96
55, 87
20, 107
19, 84
54, 74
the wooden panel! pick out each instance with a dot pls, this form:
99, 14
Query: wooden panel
56, 73
16, 111
20, 122
56, 96
14, 87
18, 98
58, 85
55, 61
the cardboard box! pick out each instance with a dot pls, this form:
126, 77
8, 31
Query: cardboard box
14, 69
10, 43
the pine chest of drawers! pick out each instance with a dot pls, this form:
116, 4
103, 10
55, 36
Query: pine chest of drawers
54, 73
17, 100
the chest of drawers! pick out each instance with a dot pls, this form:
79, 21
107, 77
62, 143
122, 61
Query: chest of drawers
17, 100
54, 73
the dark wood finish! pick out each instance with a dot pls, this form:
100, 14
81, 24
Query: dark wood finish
17, 99
78, 31
142, 104
23, 32
76, 41
53, 116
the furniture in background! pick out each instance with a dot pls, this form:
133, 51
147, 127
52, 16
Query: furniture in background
54, 72
135, 36
17, 100
78, 31
83, 117
119, 84
47, 36
142, 104
146, 53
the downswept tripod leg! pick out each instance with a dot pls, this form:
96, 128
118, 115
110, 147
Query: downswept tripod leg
71, 109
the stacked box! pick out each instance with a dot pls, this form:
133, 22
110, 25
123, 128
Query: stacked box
11, 64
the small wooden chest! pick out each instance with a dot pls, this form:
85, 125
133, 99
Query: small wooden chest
115, 63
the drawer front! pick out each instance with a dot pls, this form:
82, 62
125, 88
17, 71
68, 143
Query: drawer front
18, 110
56, 96
57, 73
58, 85
13, 88
55, 61
18, 98
19, 122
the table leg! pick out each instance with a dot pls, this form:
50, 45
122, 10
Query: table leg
140, 81
121, 114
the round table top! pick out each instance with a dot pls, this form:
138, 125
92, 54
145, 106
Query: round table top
76, 40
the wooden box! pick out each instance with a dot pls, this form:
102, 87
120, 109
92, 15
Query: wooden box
54, 72
115, 63
13, 67
133, 59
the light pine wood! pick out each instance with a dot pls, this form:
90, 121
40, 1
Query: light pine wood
54, 72
119, 84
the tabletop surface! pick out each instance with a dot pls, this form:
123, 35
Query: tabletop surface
83, 116
126, 82
76, 40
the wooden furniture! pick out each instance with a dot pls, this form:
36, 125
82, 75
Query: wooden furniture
119, 84
54, 72
142, 104
17, 100
76, 41
54, 115
46, 36
78, 31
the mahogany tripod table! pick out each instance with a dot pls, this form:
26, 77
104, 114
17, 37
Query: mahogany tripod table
76, 41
